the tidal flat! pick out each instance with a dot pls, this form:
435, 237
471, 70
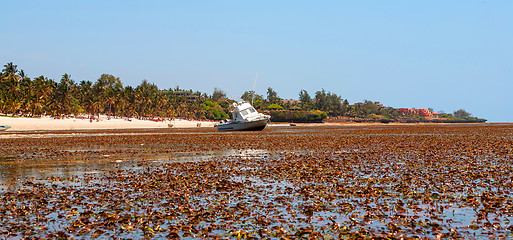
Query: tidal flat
317, 182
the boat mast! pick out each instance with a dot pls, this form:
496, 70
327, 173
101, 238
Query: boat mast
253, 93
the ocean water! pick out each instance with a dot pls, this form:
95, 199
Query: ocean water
325, 182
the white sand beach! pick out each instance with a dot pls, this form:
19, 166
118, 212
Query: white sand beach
48, 123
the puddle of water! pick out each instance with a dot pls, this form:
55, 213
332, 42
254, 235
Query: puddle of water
13, 169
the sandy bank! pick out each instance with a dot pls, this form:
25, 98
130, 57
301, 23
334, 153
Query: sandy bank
47, 123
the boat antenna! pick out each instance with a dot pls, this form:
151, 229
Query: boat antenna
253, 93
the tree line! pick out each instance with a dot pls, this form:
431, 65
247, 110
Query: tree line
330, 103
21, 95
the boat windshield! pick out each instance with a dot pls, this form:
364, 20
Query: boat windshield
251, 110
244, 112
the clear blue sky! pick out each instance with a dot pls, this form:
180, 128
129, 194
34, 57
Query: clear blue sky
445, 55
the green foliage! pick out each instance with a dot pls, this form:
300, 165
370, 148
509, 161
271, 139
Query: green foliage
320, 100
258, 100
306, 100
213, 111
446, 115
218, 94
219, 114
371, 110
247, 96
208, 104
331, 103
20, 95
298, 116
275, 107
272, 96
320, 115
461, 114
304, 97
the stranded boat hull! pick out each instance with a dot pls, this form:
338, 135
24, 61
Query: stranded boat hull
244, 118
257, 125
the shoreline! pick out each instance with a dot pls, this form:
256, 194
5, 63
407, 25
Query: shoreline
349, 124
24, 124
48, 123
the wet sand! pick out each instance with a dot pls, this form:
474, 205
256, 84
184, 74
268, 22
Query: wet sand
427, 181
48, 123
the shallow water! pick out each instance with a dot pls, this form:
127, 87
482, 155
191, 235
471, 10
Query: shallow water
284, 182
14, 170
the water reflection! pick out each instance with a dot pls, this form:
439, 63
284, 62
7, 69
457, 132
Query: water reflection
13, 170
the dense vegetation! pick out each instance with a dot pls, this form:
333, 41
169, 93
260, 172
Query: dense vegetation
21, 95
329, 103
298, 116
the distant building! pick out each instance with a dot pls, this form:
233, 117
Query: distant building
420, 112
290, 101
189, 96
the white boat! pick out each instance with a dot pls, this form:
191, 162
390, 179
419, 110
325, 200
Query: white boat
244, 118
4, 127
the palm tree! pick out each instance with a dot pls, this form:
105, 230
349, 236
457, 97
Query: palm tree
107, 88
42, 90
63, 98
26, 92
146, 98
10, 82
85, 96
127, 102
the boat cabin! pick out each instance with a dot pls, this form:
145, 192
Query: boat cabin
244, 112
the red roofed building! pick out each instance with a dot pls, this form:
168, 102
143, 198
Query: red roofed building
420, 112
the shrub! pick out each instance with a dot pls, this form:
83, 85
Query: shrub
298, 116
275, 107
